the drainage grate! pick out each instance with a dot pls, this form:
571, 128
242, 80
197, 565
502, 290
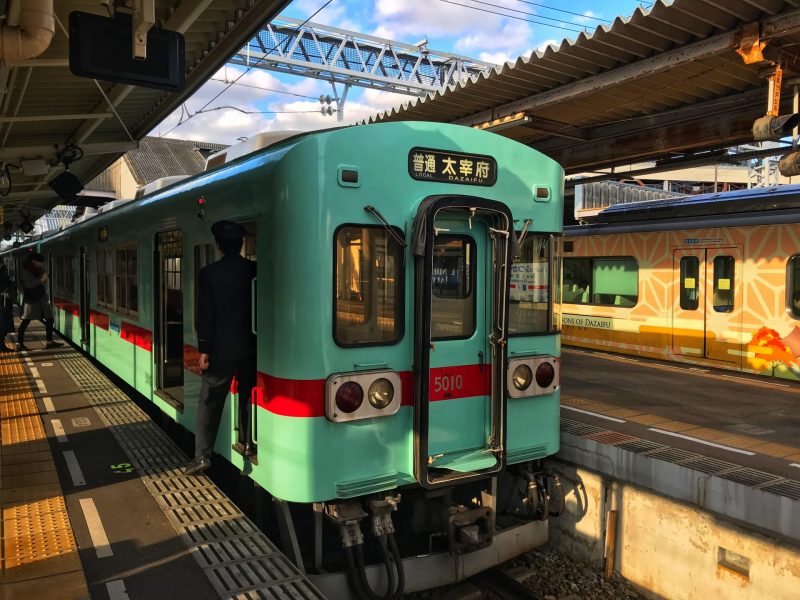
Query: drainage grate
578, 428
612, 438
673, 455
640, 446
788, 488
751, 477
237, 558
712, 466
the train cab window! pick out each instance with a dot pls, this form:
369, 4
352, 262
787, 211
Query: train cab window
606, 281
723, 283
793, 286
690, 282
126, 281
368, 277
453, 281
531, 284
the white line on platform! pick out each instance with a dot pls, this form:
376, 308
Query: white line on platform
29, 361
116, 590
48, 404
74, 468
40, 385
35, 372
58, 429
699, 441
96, 531
45, 364
594, 414
795, 465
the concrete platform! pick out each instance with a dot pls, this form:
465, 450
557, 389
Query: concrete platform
95, 503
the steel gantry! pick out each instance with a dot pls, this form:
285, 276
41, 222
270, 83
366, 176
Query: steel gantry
350, 58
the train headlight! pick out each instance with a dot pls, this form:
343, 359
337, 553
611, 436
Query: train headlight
545, 374
345, 395
349, 397
380, 393
522, 377
532, 376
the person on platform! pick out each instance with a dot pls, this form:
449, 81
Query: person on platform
6, 307
35, 306
225, 341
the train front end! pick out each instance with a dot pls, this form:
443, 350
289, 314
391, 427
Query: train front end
415, 391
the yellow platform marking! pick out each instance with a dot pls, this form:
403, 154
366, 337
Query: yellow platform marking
740, 442
38, 555
646, 419
676, 426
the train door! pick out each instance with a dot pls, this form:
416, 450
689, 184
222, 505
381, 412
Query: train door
83, 298
169, 316
707, 305
461, 297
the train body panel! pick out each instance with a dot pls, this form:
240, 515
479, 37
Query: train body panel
717, 295
367, 239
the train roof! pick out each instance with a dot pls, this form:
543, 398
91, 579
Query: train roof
719, 203
755, 206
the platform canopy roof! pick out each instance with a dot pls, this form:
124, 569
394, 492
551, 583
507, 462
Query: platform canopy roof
665, 83
44, 108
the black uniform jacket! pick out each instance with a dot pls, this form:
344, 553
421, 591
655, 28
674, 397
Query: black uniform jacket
223, 320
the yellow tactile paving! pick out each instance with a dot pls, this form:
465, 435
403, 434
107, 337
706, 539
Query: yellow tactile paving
676, 426
622, 413
646, 419
742, 442
776, 450
38, 554
574, 401
710, 435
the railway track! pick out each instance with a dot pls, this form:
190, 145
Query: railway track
503, 586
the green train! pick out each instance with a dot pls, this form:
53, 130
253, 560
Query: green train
408, 337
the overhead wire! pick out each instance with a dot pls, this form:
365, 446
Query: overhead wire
266, 89
561, 10
511, 16
530, 14
247, 70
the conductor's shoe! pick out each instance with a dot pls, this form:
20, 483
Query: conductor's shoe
198, 465
53, 344
249, 449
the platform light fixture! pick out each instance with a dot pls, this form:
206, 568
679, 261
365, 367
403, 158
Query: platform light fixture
496, 125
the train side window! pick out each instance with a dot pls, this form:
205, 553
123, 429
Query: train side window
606, 281
105, 276
793, 285
690, 282
368, 280
452, 300
723, 283
126, 280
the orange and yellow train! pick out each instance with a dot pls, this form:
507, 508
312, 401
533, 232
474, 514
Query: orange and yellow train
711, 280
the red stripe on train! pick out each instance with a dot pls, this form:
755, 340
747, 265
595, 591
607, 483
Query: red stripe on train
306, 398
67, 306
134, 334
98, 319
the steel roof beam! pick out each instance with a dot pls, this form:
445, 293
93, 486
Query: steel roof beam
714, 46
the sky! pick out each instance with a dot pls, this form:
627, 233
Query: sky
263, 100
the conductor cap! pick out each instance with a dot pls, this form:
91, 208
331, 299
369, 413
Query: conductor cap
227, 230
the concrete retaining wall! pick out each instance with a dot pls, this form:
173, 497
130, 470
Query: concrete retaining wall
673, 548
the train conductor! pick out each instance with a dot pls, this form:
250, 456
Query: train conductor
225, 341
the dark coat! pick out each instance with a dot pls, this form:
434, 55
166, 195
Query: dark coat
223, 320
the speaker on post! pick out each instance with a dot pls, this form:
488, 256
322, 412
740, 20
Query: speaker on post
67, 186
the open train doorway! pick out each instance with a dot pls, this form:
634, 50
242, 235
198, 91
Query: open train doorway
169, 316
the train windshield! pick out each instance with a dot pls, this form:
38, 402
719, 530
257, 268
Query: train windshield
533, 275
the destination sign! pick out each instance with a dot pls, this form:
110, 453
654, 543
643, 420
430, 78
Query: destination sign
425, 164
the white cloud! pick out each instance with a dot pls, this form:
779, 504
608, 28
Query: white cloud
508, 37
402, 20
497, 58
587, 18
